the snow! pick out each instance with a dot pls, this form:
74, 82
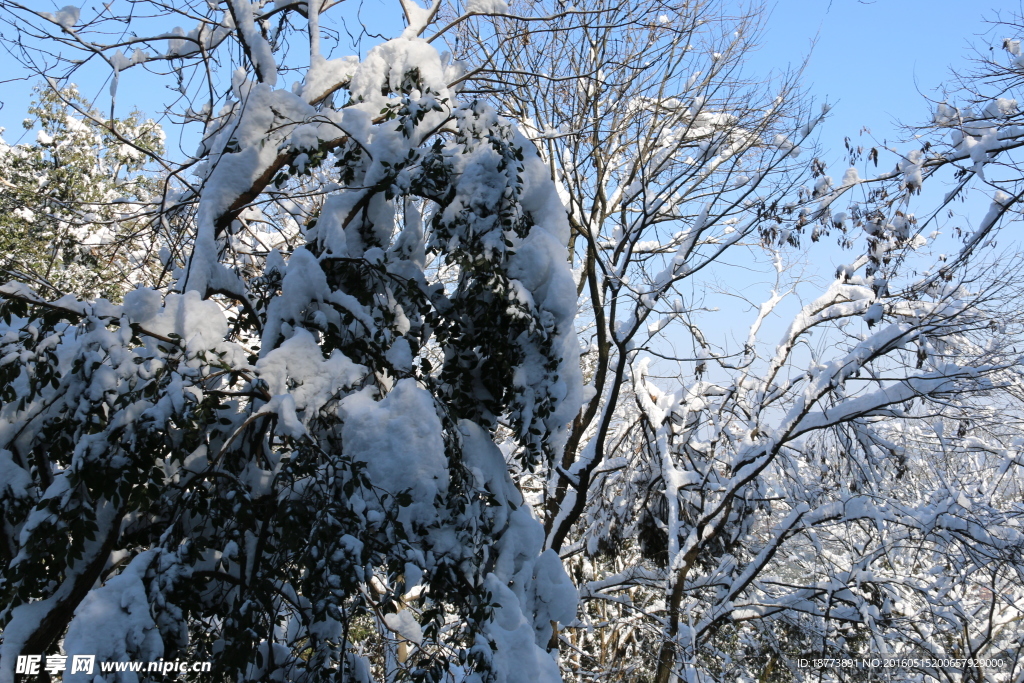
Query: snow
386, 65
404, 624
67, 17
259, 49
874, 314
18, 289
510, 647
187, 315
175, 43
544, 251
118, 61
418, 17
1001, 107
911, 168
786, 145
399, 439
113, 622
26, 617
297, 369
15, 482
228, 174
26, 215
487, 465
303, 283
400, 355
143, 304
945, 115
487, 6
325, 76
541, 592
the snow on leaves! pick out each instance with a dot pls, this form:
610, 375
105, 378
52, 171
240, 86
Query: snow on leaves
275, 459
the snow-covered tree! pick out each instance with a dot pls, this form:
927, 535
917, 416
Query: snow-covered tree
284, 461
68, 201
348, 441
728, 502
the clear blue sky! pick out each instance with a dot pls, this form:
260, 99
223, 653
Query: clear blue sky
873, 60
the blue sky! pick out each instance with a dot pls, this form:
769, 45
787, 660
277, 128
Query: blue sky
873, 60
870, 59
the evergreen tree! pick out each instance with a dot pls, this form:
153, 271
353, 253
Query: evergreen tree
294, 475
68, 201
